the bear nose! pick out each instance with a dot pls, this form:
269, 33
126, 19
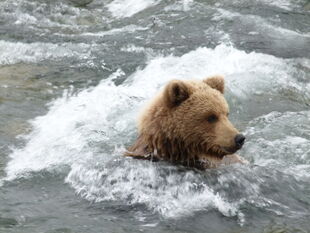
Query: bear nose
239, 140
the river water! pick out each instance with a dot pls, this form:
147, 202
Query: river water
73, 77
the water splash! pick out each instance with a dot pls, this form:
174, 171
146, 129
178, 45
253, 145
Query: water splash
88, 131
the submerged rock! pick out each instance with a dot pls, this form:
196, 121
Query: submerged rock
23, 76
7, 222
307, 6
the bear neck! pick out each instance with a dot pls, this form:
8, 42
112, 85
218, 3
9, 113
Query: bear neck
174, 149
158, 146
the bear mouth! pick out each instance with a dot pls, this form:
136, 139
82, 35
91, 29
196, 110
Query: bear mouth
220, 152
229, 150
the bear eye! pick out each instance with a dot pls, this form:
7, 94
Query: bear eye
212, 118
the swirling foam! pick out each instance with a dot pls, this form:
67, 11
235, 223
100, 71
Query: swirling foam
274, 142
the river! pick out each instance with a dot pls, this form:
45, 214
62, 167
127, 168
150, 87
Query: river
74, 76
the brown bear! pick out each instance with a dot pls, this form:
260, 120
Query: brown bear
187, 123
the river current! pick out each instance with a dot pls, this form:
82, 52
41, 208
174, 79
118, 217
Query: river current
74, 76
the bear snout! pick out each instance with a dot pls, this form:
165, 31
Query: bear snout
239, 140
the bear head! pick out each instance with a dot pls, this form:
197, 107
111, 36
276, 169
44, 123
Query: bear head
188, 120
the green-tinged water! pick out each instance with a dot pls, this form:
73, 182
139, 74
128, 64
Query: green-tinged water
73, 77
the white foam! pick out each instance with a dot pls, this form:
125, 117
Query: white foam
86, 133
283, 4
44, 14
15, 52
127, 8
183, 5
241, 69
133, 48
24, 18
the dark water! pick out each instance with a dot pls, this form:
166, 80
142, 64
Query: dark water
73, 77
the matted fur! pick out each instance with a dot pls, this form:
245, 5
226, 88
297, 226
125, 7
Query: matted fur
175, 126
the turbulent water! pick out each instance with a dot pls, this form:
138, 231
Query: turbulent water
74, 76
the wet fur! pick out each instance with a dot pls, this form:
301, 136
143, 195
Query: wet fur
163, 135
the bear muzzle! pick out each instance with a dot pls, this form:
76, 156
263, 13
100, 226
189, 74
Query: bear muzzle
239, 141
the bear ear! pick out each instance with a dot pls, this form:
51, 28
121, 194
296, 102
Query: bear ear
176, 92
217, 82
